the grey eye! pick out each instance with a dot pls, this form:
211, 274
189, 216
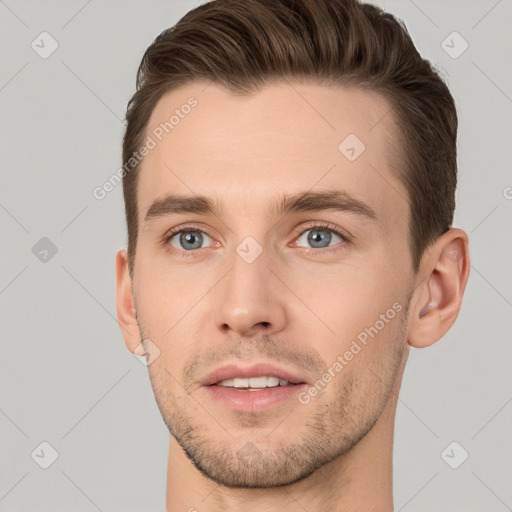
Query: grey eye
319, 238
189, 239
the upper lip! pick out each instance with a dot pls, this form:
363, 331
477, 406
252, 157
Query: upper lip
231, 371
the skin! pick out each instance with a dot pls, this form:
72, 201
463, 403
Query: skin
288, 306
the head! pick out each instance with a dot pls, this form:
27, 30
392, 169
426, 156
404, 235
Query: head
274, 111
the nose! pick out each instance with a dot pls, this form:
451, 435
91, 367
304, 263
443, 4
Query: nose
250, 299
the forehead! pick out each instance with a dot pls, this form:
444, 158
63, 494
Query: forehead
288, 137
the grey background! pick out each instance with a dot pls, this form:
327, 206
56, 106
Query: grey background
65, 375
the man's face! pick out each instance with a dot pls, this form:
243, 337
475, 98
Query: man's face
250, 284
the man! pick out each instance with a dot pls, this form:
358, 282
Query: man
290, 171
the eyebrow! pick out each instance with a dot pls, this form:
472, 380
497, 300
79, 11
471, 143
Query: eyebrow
337, 200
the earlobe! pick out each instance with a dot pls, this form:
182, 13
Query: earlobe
124, 303
438, 297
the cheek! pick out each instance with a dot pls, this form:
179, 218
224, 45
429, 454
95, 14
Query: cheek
171, 307
165, 294
357, 309
348, 295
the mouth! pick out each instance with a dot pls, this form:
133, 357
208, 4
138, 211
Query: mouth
253, 388
255, 376
255, 383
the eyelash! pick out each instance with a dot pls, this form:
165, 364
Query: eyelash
310, 251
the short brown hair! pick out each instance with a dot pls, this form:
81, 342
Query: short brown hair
244, 45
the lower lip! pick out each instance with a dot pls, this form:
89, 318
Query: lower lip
253, 401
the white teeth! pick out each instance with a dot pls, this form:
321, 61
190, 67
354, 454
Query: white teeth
241, 383
261, 382
254, 382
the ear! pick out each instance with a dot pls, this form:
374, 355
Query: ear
442, 279
125, 306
